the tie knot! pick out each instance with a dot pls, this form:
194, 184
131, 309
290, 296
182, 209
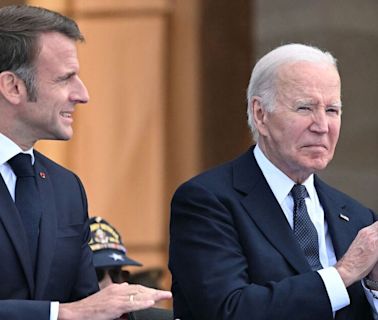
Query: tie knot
21, 165
299, 192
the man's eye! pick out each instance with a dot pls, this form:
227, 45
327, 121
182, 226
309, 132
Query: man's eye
65, 78
333, 110
304, 108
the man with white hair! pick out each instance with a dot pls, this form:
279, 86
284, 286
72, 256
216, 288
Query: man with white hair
263, 237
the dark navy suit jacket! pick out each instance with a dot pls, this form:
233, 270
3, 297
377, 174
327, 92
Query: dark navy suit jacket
64, 268
233, 254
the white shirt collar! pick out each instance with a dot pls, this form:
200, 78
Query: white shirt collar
8, 149
279, 183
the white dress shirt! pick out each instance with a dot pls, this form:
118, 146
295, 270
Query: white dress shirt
8, 149
281, 186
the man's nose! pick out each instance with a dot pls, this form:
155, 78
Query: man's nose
320, 121
79, 93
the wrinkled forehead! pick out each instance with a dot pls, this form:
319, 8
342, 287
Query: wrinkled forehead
57, 52
309, 80
298, 70
308, 74
56, 42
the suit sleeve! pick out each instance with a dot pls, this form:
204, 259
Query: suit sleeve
24, 309
86, 280
211, 276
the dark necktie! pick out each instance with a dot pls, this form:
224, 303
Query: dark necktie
27, 199
304, 230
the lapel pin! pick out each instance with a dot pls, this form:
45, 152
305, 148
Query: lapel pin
344, 217
42, 175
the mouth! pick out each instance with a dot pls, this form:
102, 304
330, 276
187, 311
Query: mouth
67, 117
66, 114
316, 146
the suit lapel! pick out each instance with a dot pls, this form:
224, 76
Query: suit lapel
265, 211
341, 230
48, 229
15, 229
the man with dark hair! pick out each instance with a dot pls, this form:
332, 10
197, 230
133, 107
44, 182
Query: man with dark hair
263, 237
46, 269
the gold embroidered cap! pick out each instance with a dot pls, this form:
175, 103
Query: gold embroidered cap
107, 246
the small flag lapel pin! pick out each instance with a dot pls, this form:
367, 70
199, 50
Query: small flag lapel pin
344, 217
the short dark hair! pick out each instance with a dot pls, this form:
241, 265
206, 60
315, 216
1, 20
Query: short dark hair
20, 28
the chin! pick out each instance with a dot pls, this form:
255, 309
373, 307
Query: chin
320, 165
60, 138
314, 165
65, 135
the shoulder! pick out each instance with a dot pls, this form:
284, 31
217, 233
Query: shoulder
225, 178
335, 194
49, 164
63, 186
54, 170
331, 194
215, 176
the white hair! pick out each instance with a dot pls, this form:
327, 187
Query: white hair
262, 82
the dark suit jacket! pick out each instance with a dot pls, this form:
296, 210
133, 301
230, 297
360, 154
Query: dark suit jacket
233, 254
64, 268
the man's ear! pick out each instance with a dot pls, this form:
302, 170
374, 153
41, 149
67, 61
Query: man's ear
12, 88
259, 115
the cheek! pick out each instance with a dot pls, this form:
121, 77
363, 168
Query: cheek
288, 133
335, 133
276, 128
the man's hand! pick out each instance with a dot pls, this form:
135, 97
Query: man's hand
112, 302
373, 275
361, 257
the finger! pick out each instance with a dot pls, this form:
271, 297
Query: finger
162, 295
138, 303
155, 294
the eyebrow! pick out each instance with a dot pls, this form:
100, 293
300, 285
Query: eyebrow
336, 104
66, 76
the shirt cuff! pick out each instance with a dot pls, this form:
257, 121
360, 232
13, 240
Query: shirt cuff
54, 310
336, 290
373, 302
